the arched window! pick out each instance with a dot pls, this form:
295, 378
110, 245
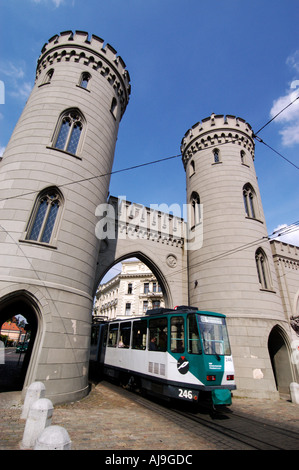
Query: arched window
195, 209
48, 77
113, 108
249, 199
84, 79
262, 269
192, 168
44, 217
68, 131
216, 154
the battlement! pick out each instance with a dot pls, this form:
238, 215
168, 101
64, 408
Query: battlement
80, 47
215, 130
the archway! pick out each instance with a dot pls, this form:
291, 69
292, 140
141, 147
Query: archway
14, 367
152, 267
129, 287
280, 359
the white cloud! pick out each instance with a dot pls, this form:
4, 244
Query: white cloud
11, 70
57, 3
15, 85
287, 234
293, 61
2, 151
22, 90
290, 117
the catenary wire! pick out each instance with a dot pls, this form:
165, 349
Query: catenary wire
133, 167
277, 233
276, 115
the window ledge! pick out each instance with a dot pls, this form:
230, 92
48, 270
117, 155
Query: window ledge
83, 88
263, 289
41, 244
254, 218
64, 151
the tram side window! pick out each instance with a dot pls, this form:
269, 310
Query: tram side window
113, 334
177, 340
124, 335
158, 334
194, 346
139, 334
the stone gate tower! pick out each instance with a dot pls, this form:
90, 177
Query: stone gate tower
232, 271
49, 191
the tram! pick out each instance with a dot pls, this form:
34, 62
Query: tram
180, 353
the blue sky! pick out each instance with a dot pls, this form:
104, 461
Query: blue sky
186, 59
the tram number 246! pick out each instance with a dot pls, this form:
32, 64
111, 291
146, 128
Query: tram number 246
188, 394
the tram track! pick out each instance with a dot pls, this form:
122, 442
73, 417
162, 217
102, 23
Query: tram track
232, 430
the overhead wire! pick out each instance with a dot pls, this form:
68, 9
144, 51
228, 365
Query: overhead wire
275, 234
265, 125
153, 162
276, 115
133, 167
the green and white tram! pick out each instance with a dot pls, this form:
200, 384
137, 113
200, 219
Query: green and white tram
180, 353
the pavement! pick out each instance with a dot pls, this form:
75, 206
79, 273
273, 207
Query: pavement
110, 419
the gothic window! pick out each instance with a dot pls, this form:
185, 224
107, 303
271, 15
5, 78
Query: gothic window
262, 269
130, 288
195, 209
242, 155
70, 127
113, 108
48, 77
249, 199
44, 217
192, 168
84, 79
216, 155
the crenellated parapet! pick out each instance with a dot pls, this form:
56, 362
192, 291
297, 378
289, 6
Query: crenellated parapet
214, 131
137, 221
285, 253
78, 47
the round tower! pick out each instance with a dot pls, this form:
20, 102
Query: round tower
54, 173
231, 268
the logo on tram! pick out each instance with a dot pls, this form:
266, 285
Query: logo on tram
183, 365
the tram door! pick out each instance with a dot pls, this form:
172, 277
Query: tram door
102, 343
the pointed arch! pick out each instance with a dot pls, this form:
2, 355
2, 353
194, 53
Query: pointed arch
68, 132
279, 352
44, 220
23, 302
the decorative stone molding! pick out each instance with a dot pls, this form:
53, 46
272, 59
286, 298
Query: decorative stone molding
217, 130
77, 47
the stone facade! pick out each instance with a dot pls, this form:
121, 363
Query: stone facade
52, 257
65, 137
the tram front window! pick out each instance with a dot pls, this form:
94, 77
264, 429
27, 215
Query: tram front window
214, 335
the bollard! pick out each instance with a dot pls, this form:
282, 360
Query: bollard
39, 417
53, 438
35, 391
294, 389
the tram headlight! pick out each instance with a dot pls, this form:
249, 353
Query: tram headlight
211, 378
230, 377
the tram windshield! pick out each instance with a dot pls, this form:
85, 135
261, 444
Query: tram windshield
214, 335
